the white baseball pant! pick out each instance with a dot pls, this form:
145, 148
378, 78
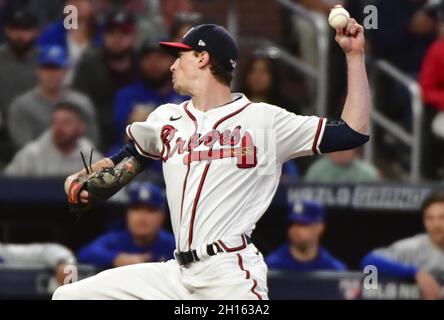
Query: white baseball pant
239, 275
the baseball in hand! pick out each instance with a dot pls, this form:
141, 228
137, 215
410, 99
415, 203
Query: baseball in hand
338, 17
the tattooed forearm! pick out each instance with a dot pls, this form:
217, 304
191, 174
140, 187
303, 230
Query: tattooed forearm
127, 170
108, 181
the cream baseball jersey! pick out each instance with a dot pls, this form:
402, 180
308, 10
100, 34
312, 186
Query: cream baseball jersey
222, 166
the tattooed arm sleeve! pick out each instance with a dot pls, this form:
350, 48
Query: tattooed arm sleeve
108, 181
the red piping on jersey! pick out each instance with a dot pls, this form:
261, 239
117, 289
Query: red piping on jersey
318, 132
248, 277
184, 184
230, 115
196, 200
207, 167
191, 116
227, 249
139, 148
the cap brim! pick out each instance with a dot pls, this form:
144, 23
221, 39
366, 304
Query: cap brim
174, 47
153, 206
304, 220
52, 64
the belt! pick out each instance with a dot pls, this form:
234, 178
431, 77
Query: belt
184, 258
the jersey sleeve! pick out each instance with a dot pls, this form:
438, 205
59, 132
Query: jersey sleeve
296, 135
146, 135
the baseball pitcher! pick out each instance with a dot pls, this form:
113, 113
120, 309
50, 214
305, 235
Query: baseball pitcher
222, 157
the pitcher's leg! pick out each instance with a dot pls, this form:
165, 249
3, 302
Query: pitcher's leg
149, 281
238, 275
255, 271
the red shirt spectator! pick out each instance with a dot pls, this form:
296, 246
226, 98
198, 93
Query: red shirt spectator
432, 76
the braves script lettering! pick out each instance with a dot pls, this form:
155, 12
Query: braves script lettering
240, 147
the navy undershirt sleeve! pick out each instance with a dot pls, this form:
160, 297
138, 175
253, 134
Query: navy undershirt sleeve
338, 136
129, 150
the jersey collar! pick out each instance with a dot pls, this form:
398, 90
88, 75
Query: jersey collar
239, 101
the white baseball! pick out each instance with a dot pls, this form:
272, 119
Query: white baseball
338, 17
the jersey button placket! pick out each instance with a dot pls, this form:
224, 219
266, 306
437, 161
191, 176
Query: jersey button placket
203, 125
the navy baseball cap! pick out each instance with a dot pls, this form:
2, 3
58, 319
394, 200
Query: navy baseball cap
149, 46
119, 20
52, 56
21, 19
306, 212
207, 37
147, 194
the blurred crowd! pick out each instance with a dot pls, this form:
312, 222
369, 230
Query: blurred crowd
105, 73
63, 91
111, 69
406, 33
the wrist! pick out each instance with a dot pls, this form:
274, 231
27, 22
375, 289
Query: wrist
109, 162
355, 56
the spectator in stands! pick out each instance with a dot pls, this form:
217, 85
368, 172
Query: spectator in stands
342, 166
151, 90
432, 84
57, 151
148, 21
17, 57
303, 252
142, 240
420, 257
75, 40
30, 113
46, 11
261, 84
45, 255
159, 22
183, 22
408, 30
17, 69
3, 12
102, 72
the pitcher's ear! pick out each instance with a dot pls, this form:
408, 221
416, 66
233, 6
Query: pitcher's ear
204, 59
